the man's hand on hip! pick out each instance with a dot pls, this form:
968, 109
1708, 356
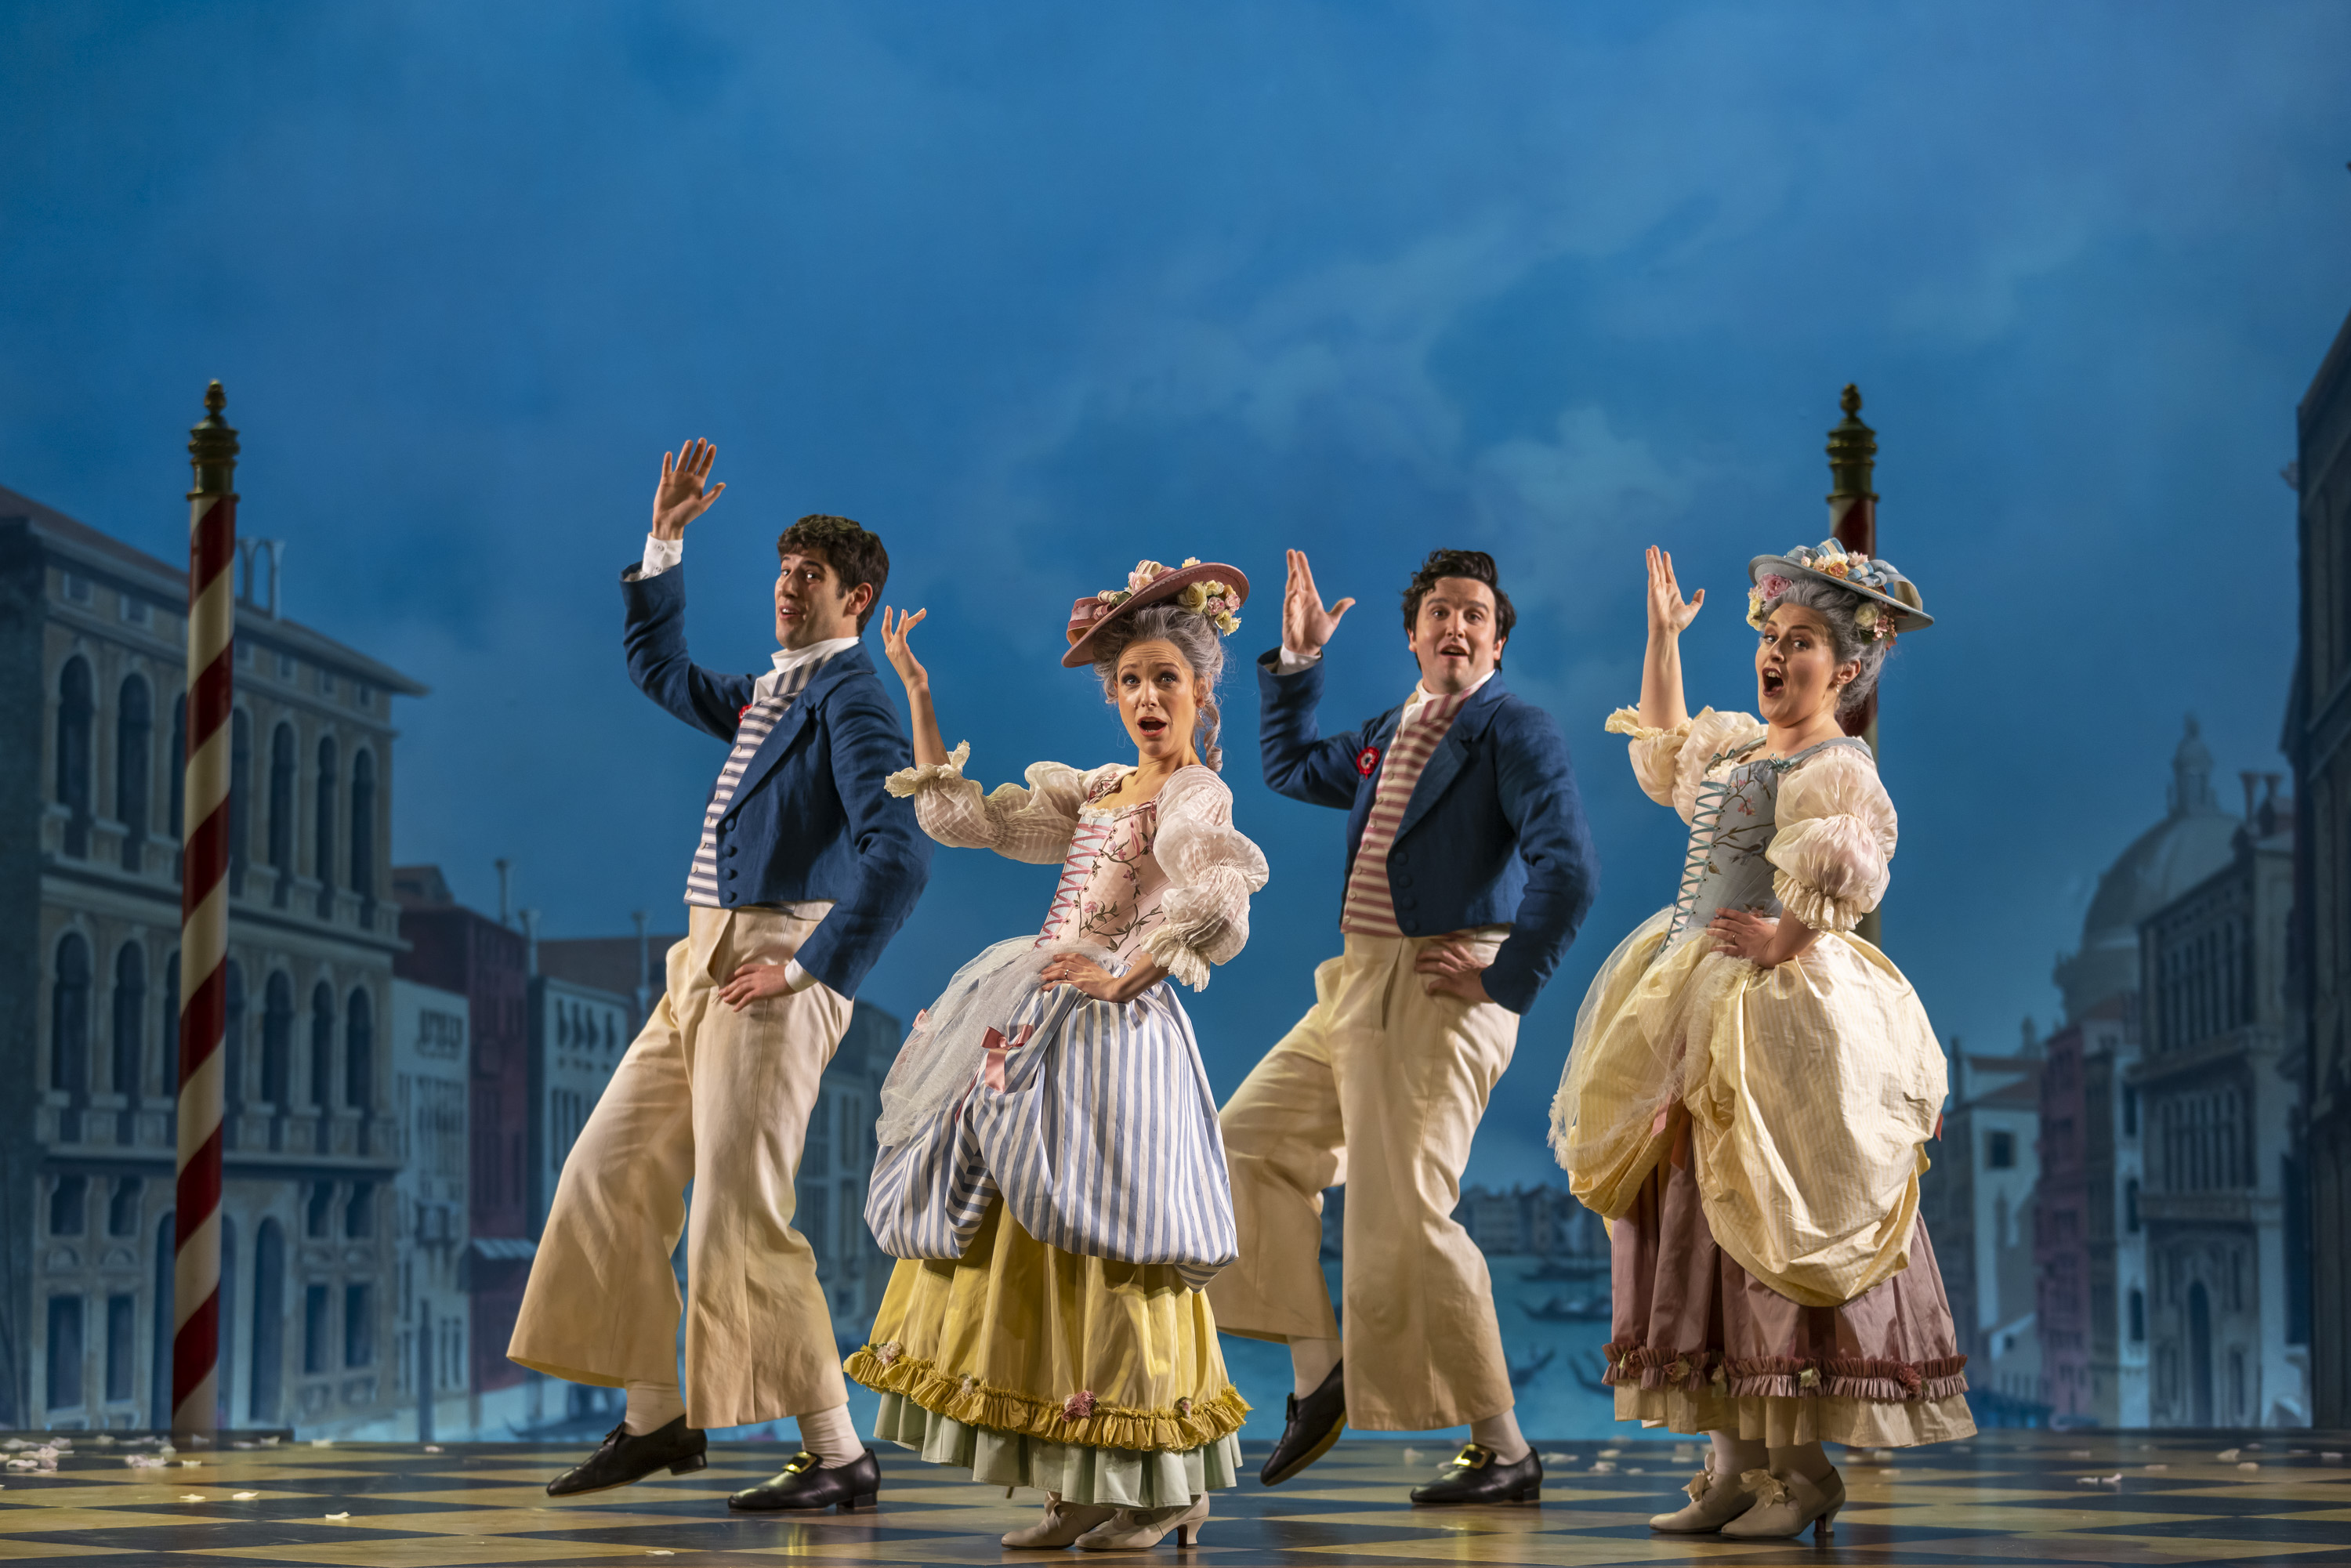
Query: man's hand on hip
1449, 966
756, 982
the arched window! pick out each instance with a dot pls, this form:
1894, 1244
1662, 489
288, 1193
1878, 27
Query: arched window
75, 706
69, 1019
277, 1040
232, 1040
281, 808
130, 1019
171, 1079
177, 765
268, 1322
240, 799
322, 1046
135, 765
359, 1052
363, 830
323, 849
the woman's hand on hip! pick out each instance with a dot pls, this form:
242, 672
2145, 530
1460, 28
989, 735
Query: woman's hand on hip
1075, 969
1759, 939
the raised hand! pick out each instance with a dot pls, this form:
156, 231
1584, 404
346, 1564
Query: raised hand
1669, 612
899, 653
930, 746
1306, 625
681, 495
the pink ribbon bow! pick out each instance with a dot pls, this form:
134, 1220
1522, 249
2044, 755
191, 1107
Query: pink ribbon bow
997, 1048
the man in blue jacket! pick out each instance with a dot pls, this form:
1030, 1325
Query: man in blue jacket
805, 868
1469, 869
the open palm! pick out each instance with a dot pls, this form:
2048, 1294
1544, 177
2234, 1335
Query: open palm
1669, 612
686, 491
1306, 625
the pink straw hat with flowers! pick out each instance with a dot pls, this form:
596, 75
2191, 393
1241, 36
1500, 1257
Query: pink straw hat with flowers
1210, 590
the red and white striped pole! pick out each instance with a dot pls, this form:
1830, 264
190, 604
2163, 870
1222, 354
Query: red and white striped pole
204, 921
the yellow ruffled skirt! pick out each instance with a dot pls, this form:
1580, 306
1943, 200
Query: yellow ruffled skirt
1031, 1366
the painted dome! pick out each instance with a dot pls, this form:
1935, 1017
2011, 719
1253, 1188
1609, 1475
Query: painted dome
2194, 840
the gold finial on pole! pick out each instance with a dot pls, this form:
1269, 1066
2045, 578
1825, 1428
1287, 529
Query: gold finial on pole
1852, 454
212, 448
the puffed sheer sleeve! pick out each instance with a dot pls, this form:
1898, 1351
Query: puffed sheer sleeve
1671, 763
1211, 871
1032, 822
1836, 833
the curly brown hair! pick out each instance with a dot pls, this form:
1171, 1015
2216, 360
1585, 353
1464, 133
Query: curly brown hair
854, 555
1474, 564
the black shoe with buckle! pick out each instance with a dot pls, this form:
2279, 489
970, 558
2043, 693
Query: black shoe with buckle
1311, 1426
1475, 1476
624, 1458
804, 1484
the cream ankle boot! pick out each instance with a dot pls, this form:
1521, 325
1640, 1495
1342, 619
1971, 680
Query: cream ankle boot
1136, 1528
1714, 1502
1064, 1523
1788, 1503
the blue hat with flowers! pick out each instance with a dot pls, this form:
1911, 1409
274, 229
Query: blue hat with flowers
1890, 603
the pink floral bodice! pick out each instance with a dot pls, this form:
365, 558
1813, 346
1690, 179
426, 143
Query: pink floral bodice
1168, 879
1110, 887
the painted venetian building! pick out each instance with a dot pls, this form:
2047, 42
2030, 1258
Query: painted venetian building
92, 677
2220, 1091
2090, 1256
486, 961
2318, 741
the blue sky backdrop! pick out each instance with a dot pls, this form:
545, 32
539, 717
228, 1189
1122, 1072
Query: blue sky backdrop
1036, 290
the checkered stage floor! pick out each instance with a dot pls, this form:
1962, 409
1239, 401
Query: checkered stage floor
2017, 1498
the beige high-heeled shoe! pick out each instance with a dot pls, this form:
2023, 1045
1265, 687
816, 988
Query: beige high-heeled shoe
1714, 1502
1788, 1503
1133, 1529
1062, 1524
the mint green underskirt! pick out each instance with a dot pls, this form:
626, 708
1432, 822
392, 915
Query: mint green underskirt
1106, 1477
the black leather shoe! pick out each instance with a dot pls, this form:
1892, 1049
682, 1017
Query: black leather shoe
805, 1484
1311, 1426
1475, 1476
622, 1458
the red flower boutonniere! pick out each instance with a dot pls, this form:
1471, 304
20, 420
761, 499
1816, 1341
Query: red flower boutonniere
1368, 760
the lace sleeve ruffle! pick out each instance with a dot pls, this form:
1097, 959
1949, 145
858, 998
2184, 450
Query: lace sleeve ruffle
1211, 871
1670, 764
1836, 833
1033, 823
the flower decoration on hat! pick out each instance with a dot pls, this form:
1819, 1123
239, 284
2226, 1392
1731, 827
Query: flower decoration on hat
1832, 561
1213, 601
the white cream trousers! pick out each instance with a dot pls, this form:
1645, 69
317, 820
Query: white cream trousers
719, 1098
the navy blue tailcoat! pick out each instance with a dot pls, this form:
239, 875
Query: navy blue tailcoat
1494, 833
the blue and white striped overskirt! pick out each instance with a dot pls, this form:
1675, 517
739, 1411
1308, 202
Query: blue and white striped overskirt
1092, 1120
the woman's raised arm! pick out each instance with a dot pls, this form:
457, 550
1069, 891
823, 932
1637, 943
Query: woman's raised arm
930, 746
1662, 706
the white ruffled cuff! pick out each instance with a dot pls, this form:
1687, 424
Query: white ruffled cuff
1626, 721
929, 776
1167, 948
1820, 911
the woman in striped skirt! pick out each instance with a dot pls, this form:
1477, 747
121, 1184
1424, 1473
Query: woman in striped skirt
1051, 1171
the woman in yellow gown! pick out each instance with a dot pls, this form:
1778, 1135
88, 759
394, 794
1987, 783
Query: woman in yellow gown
1751, 1084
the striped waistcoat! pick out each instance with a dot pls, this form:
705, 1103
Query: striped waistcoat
1369, 909
757, 721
